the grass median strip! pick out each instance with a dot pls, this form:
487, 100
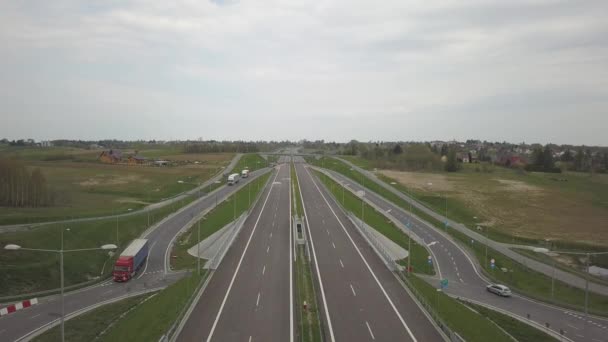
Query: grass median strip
88, 326
379, 222
142, 318
308, 315
521, 331
26, 271
217, 218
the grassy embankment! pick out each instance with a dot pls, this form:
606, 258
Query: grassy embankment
471, 326
379, 222
24, 272
142, 318
309, 318
521, 331
85, 187
217, 218
251, 161
519, 277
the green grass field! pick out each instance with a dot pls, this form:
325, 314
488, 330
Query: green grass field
152, 319
251, 161
382, 224
88, 326
521, 331
84, 187
26, 271
217, 218
471, 326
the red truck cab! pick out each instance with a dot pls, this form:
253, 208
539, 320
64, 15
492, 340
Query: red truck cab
123, 268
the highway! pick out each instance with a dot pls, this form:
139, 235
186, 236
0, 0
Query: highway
155, 275
465, 278
361, 300
250, 295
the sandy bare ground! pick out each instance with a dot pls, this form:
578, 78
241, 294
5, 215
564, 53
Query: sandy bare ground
516, 207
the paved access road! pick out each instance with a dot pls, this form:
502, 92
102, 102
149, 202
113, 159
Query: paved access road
465, 280
250, 295
361, 300
155, 275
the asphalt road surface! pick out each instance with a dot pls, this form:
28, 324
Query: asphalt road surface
361, 300
465, 280
249, 297
156, 273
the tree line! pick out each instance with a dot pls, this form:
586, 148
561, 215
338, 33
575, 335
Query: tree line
21, 188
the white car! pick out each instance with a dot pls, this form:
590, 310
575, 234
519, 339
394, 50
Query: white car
500, 290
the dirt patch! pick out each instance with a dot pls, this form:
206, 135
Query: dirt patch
131, 200
113, 180
517, 186
420, 181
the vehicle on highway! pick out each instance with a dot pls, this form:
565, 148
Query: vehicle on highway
245, 173
233, 178
500, 290
130, 260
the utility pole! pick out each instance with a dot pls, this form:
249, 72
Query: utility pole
198, 249
587, 289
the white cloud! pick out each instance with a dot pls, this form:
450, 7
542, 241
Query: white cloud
428, 69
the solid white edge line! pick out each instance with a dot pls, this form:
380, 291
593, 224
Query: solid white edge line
290, 263
314, 254
370, 330
238, 266
147, 259
365, 261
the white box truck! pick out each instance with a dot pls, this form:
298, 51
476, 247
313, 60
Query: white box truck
233, 178
245, 173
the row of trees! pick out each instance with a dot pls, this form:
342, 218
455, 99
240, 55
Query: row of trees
213, 146
21, 188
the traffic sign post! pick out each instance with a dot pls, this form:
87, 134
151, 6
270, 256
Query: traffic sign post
443, 283
492, 264
429, 261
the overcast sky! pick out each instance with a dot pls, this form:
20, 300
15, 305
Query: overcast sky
533, 71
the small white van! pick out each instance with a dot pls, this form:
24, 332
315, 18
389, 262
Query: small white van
233, 178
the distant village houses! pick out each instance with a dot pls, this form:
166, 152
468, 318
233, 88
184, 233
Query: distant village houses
110, 157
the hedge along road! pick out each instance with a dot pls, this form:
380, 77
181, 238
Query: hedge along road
169, 201
465, 280
155, 274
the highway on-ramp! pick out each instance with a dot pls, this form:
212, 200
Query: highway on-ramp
250, 296
155, 275
361, 299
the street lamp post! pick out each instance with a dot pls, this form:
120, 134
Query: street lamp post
198, 248
587, 266
13, 247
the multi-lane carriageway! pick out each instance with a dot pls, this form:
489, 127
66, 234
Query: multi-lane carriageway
250, 296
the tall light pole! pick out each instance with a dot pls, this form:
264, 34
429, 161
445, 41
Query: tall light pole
13, 247
234, 216
587, 266
198, 248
